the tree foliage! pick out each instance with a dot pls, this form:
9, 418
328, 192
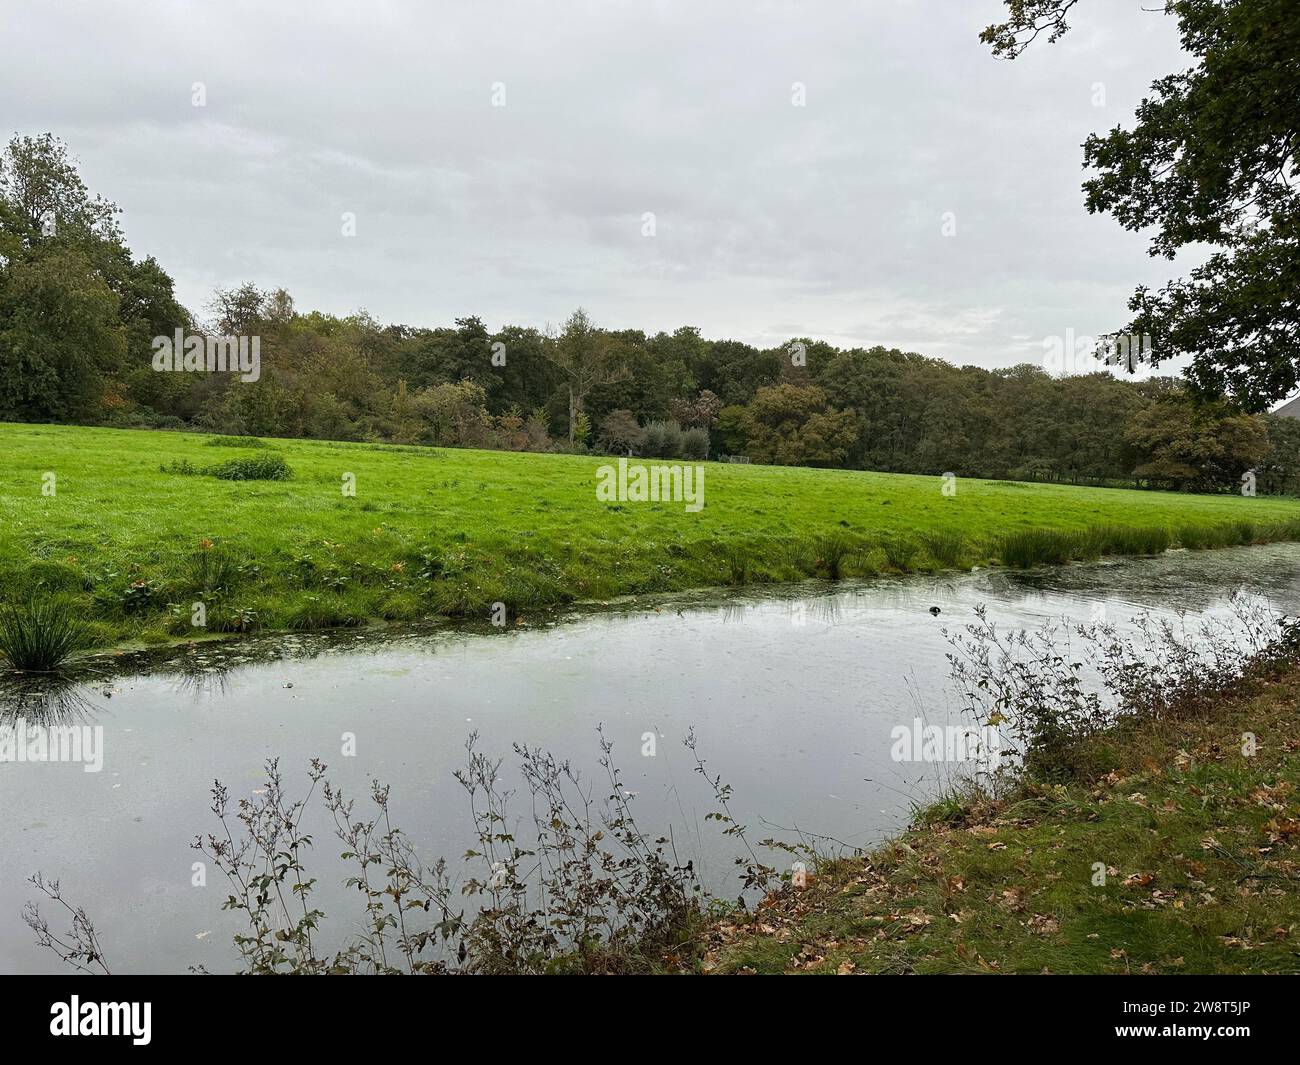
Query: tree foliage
1210, 161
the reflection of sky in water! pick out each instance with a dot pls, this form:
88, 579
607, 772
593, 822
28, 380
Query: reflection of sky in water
792, 693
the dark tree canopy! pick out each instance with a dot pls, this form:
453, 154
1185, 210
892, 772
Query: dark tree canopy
1210, 162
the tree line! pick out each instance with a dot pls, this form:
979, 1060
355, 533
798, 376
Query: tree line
79, 315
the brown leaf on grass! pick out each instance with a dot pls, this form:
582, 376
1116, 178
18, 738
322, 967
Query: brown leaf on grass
1044, 924
1139, 879
1280, 828
1269, 798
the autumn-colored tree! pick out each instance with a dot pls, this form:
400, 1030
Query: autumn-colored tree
1179, 443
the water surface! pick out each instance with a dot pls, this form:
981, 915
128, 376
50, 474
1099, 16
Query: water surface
792, 692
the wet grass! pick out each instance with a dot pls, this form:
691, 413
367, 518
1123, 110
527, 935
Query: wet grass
451, 532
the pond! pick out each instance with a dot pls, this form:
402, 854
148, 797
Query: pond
792, 691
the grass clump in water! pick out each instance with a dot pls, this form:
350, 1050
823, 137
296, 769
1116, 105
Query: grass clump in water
38, 635
1026, 548
944, 547
1035, 547
834, 553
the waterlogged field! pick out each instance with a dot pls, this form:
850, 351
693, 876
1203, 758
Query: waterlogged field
136, 529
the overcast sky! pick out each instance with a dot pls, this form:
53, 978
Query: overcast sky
770, 220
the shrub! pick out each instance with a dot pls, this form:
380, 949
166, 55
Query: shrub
662, 440
255, 468
1052, 689
574, 888
695, 444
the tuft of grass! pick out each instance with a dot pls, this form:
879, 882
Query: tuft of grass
835, 552
211, 568
236, 441
39, 635
1130, 540
1025, 548
944, 547
739, 565
270, 467
901, 552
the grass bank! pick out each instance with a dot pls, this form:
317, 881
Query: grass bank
137, 527
1198, 843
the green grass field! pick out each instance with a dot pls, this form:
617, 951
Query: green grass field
443, 532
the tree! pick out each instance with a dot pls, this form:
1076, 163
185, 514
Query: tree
455, 414
698, 413
1195, 446
60, 337
1210, 161
583, 356
42, 197
238, 310
620, 431
1279, 473
791, 426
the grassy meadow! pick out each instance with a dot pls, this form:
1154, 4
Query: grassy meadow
135, 528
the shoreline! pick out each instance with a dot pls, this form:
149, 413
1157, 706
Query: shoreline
1177, 852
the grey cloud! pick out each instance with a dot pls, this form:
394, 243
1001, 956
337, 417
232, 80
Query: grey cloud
825, 219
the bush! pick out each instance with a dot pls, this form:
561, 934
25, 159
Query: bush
662, 440
256, 468
1053, 689
695, 444
575, 888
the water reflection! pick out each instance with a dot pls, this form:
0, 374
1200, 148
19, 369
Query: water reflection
50, 699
